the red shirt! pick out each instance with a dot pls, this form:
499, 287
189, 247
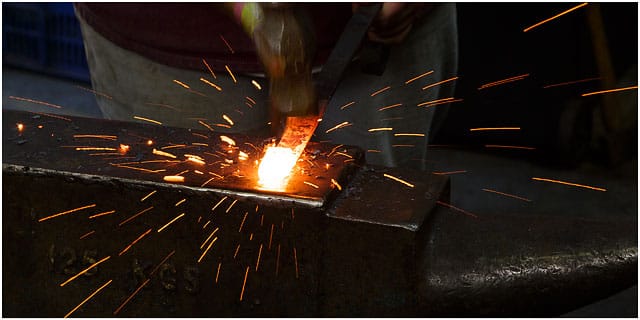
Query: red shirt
182, 34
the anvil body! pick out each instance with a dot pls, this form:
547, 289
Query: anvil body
374, 248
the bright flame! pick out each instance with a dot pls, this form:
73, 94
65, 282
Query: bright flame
275, 167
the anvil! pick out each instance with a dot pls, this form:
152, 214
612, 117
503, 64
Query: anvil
371, 247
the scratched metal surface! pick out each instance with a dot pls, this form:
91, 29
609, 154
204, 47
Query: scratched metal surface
52, 147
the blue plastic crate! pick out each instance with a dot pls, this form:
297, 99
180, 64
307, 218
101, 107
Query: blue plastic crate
44, 37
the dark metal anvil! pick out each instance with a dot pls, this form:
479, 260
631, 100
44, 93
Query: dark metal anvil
360, 244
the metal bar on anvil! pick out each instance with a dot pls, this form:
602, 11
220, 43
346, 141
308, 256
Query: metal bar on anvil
142, 153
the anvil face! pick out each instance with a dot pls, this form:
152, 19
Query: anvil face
147, 153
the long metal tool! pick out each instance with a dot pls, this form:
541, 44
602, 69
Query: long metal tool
298, 130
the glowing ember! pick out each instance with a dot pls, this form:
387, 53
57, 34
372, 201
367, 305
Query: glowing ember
123, 148
275, 167
20, 127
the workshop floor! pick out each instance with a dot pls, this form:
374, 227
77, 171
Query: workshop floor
479, 170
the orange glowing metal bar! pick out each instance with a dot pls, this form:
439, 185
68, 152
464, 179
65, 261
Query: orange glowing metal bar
439, 83
434, 101
170, 222
246, 273
85, 270
147, 119
134, 242
341, 125
88, 298
231, 205
554, 17
87, 234
450, 172
381, 90
418, 77
507, 195
503, 81
163, 153
101, 214
508, 147
130, 297
209, 68
493, 129
275, 167
207, 240
347, 105
610, 90
227, 119
569, 82
184, 85
36, 101
570, 184
95, 149
218, 272
65, 212
97, 136
231, 73
207, 250
219, 202
335, 183
134, 216
295, 258
456, 208
242, 223
390, 106
211, 84
399, 180
380, 129
409, 134
227, 43
206, 125
175, 178
256, 84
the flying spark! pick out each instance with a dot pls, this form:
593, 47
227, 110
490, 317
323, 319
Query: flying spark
434, 101
228, 140
95, 92
311, 184
418, 77
231, 206
390, 106
507, 195
270, 237
130, 297
175, 178
246, 273
450, 172
36, 101
87, 234
381, 90
495, 128
456, 208
184, 85
347, 105
554, 17
237, 249
227, 119
503, 81
211, 84
409, 134
207, 250
231, 74
242, 223
341, 125
101, 214
88, 298
147, 119
256, 84
85, 270
399, 180
206, 125
439, 83
209, 68
207, 240
508, 147
227, 44
219, 202
251, 100
134, 242
570, 184
336, 184
172, 221
569, 82
278, 260
295, 258
51, 115
65, 212
96, 136
258, 261
380, 129
134, 216
610, 90
95, 149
